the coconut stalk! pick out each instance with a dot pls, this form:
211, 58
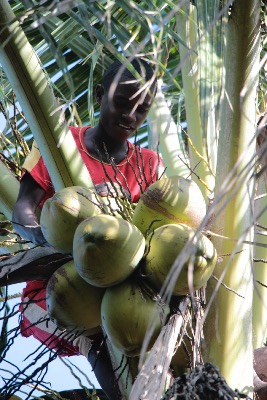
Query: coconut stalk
164, 128
228, 328
43, 112
187, 30
152, 379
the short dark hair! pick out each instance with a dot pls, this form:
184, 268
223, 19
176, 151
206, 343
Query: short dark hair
141, 66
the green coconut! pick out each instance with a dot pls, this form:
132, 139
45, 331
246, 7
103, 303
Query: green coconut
72, 303
163, 247
170, 200
62, 213
126, 313
107, 249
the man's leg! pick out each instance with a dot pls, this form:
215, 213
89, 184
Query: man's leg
101, 365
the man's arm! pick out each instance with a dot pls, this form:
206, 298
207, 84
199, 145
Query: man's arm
24, 219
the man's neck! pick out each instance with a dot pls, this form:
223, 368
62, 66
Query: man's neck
100, 147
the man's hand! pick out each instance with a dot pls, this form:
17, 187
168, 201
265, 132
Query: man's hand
113, 189
32, 233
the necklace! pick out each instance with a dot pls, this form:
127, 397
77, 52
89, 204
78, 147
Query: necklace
84, 149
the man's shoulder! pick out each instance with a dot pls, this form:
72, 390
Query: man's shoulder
76, 130
78, 134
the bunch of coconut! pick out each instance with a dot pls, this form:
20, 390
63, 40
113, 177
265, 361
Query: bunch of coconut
108, 251
169, 214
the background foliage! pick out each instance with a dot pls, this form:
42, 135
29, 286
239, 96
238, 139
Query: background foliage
77, 39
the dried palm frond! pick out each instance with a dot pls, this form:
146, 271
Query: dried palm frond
151, 380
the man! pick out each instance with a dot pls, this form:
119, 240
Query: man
125, 99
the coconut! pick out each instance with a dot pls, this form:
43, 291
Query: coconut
163, 247
126, 313
170, 201
72, 303
107, 249
62, 213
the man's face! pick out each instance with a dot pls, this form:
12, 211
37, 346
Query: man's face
123, 109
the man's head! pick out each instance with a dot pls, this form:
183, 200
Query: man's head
118, 71
126, 97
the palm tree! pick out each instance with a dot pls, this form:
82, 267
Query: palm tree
207, 54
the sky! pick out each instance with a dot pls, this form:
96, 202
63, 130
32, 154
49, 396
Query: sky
58, 375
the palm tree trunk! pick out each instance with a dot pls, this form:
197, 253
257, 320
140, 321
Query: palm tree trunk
229, 323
